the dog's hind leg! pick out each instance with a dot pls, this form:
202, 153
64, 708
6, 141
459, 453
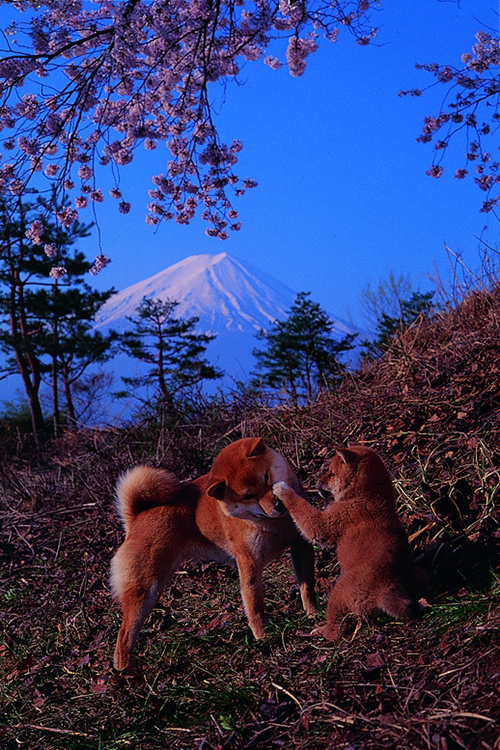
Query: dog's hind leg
137, 580
399, 604
303, 564
136, 604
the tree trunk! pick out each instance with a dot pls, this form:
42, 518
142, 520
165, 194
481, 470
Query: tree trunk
55, 397
70, 408
31, 381
37, 420
27, 363
162, 382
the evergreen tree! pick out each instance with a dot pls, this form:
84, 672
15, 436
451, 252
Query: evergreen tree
300, 357
278, 365
23, 263
385, 297
36, 304
67, 339
173, 348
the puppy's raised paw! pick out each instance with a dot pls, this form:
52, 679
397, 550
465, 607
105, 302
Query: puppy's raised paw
278, 487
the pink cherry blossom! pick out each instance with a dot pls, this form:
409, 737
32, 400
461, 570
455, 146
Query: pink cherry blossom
67, 216
435, 171
34, 232
100, 262
58, 272
51, 170
272, 62
50, 250
84, 172
297, 51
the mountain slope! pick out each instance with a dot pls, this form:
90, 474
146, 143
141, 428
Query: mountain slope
219, 289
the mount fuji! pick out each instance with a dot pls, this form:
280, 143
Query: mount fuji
232, 301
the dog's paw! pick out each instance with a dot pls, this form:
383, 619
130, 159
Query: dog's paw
279, 487
326, 632
424, 606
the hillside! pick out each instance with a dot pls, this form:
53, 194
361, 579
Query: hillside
431, 407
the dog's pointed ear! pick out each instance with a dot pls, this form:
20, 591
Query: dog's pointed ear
256, 448
346, 455
217, 490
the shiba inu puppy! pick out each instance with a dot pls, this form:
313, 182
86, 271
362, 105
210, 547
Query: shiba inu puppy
227, 516
377, 568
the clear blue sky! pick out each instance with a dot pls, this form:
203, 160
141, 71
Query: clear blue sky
343, 195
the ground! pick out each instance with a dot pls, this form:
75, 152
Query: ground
431, 407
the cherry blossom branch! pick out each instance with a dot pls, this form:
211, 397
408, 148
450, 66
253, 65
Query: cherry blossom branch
475, 85
125, 74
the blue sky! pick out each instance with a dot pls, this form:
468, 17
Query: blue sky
343, 195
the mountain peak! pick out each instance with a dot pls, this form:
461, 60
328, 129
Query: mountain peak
218, 289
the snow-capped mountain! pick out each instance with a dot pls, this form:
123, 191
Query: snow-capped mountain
219, 289
231, 300
216, 288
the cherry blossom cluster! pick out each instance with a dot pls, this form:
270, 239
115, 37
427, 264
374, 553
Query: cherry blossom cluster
57, 272
474, 110
36, 232
100, 262
33, 222
84, 85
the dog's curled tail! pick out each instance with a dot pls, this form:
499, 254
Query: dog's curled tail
141, 488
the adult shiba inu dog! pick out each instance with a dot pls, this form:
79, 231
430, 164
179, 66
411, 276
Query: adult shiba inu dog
227, 516
377, 568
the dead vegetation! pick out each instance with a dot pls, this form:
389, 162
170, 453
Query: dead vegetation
431, 407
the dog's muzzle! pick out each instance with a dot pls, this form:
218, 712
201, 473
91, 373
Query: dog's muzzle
278, 506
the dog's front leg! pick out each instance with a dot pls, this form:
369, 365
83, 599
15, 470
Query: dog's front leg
303, 564
250, 571
308, 520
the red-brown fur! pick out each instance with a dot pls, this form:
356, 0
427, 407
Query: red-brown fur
227, 516
377, 568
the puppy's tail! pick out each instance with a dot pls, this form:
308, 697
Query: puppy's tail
141, 488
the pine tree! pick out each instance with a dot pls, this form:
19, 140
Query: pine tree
68, 340
23, 263
41, 303
278, 365
419, 303
301, 356
171, 346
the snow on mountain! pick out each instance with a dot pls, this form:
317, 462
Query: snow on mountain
220, 290
231, 300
